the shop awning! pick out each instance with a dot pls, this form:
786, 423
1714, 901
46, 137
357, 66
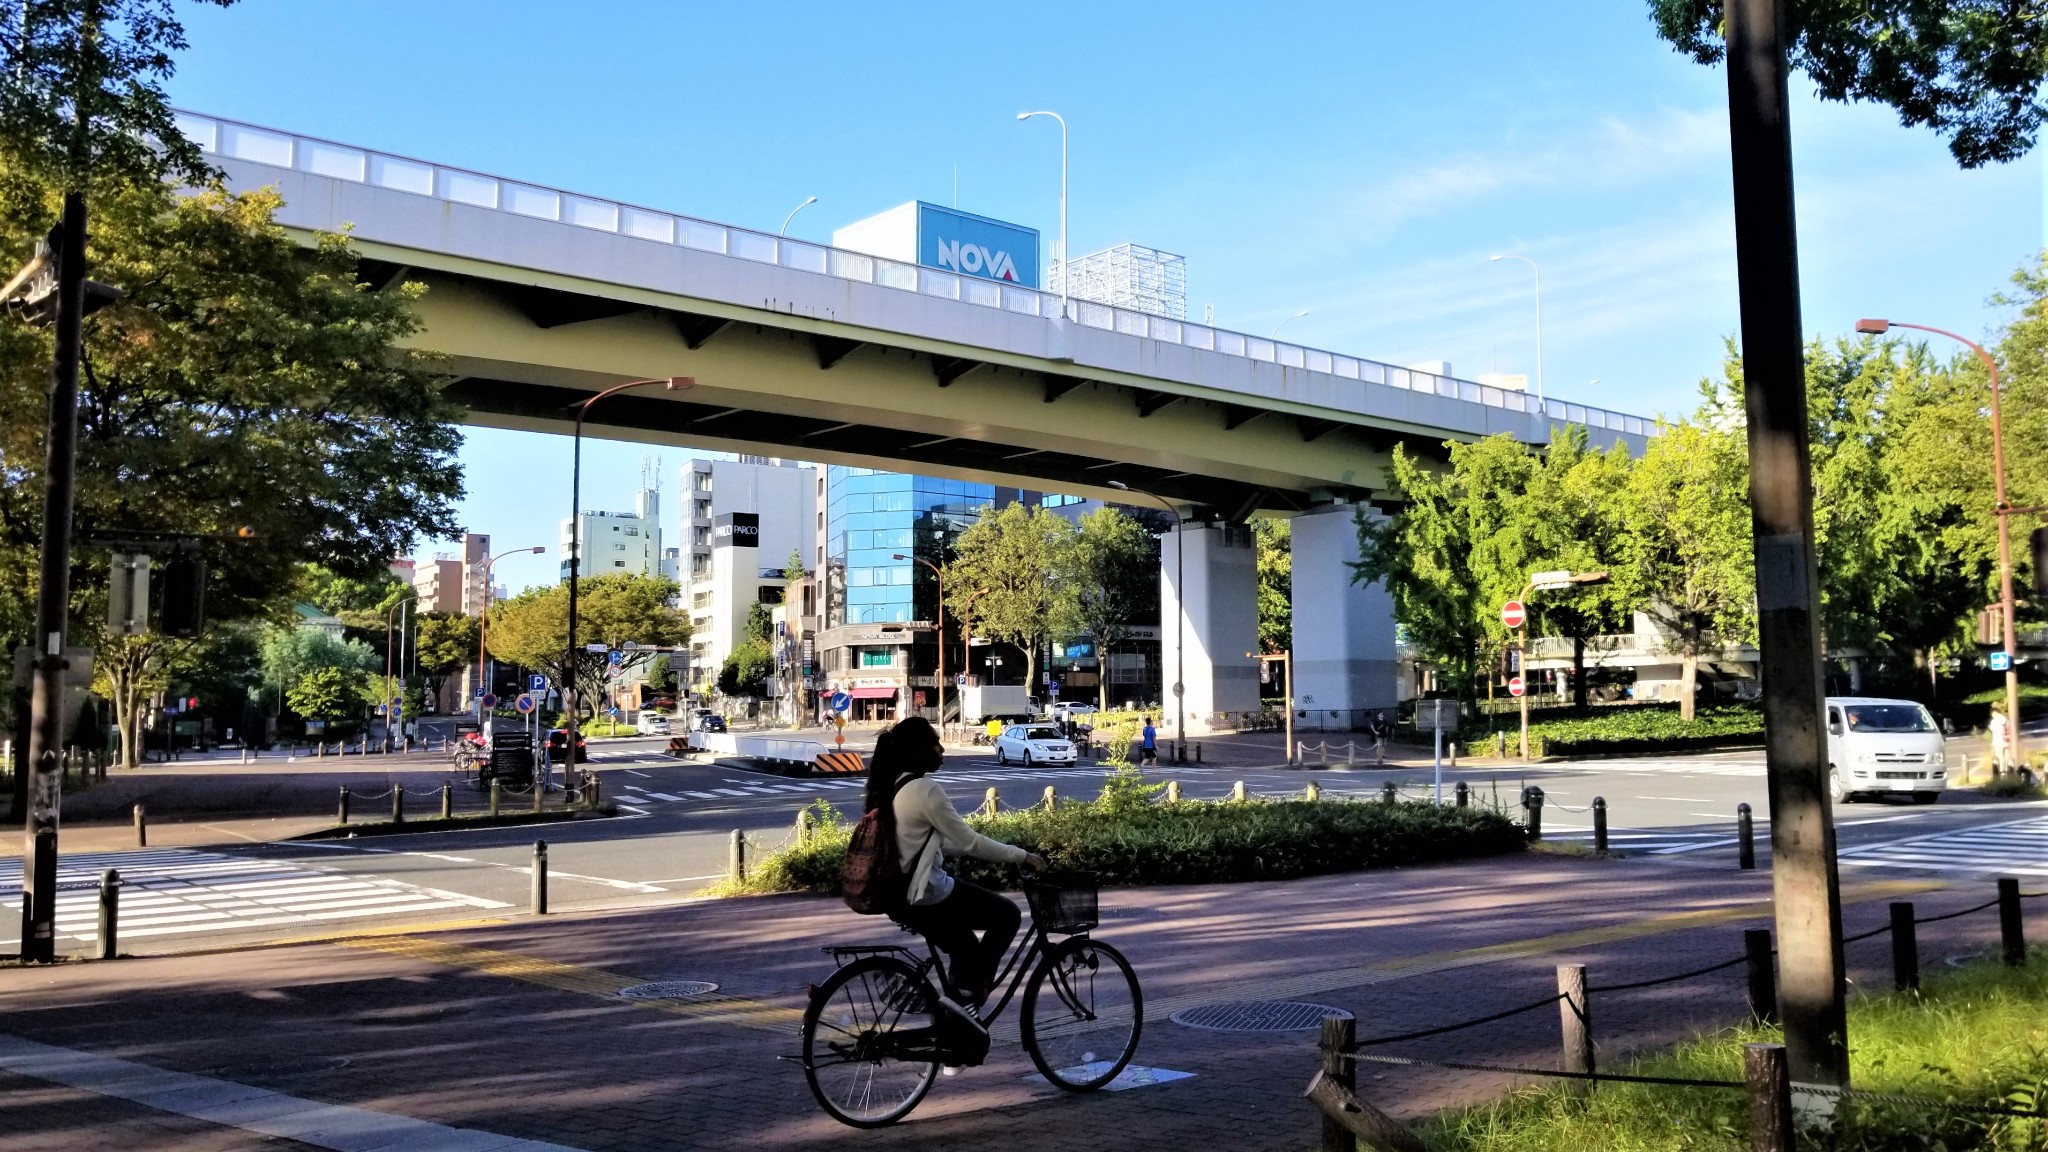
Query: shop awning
873, 693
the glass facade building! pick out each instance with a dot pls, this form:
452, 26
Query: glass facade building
870, 518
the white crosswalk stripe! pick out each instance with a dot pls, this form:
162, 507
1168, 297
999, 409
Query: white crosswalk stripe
2019, 848
1653, 841
175, 890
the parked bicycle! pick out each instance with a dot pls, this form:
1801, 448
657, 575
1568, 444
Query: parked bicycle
876, 1032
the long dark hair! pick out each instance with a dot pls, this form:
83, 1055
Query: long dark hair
902, 752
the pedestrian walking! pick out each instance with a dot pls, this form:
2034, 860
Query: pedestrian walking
2001, 742
1148, 744
1381, 730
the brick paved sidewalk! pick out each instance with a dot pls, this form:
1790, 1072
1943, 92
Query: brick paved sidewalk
516, 1029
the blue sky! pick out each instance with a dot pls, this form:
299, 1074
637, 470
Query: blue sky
1359, 160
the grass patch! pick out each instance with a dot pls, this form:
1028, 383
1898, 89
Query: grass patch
1130, 838
1978, 1035
2013, 786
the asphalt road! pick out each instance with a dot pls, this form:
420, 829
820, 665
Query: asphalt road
677, 819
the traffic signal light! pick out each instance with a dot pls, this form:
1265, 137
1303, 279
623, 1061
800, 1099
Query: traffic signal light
184, 612
128, 595
2039, 540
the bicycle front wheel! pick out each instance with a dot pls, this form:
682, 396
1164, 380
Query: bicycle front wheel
870, 1042
1082, 1014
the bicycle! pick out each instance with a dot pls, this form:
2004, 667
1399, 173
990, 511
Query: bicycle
875, 1034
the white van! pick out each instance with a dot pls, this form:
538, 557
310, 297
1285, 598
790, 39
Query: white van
1881, 747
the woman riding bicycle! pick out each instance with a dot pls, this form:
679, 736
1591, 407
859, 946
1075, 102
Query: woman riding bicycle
940, 907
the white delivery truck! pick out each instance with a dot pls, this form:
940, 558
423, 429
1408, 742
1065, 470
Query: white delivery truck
1884, 747
979, 702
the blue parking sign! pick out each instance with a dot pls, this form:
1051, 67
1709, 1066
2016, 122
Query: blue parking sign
536, 683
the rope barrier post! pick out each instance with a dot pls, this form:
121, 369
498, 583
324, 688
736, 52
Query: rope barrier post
990, 802
1198, 751
1312, 793
1173, 791
1052, 798
1763, 977
496, 789
1464, 794
736, 858
447, 801
398, 803
1237, 792
1905, 948
540, 793
141, 828
2012, 931
1745, 838
1575, 1018
539, 900
1600, 825
341, 806
1388, 792
1769, 1081
1340, 1034
110, 914
1532, 804
803, 826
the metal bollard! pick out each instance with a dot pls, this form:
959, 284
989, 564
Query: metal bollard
1464, 794
1532, 804
2012, 931
319, 749
736, 858
141, 828
1052, 799
539, 902
1237, 792
1575, 1020
447, 801
990, 803
110, 914
1745, 839
398, 803
1763, 977
1905, 948
1312, 793
496, 789
1600, 825
341, 807
1198, 751
1769, 1080
1389, 793
539, 793
1173, 791
1323, 753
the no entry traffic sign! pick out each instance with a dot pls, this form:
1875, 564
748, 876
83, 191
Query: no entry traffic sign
1513, 614
1515, 686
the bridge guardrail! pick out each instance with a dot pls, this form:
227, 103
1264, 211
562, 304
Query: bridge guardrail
219, 136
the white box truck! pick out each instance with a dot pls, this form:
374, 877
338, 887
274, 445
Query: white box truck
979, 702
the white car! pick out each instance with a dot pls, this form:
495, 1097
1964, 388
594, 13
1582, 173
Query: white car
1030, 744
1884, 748
1070, 710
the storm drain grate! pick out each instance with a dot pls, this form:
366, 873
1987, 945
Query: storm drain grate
668, 990
1257, 1016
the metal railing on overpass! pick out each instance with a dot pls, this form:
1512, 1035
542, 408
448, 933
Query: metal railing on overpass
258, 145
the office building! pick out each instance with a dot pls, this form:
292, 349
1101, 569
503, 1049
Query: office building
741, 521
613, 542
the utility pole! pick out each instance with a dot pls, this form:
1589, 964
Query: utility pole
1803, 875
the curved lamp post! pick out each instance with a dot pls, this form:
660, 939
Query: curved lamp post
673, 384
2003, 509
1284, 323
408, 598
1540, 407
1066, 268
483, 620
1180, 614
941, 681
792, 215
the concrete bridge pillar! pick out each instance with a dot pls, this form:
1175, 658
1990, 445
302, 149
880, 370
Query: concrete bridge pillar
1345, 665
1218, 609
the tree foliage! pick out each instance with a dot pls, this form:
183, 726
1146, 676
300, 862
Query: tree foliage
1115, 570
1024, 557
444, 643
1969, 69
327, 693
1274, 539
532, 629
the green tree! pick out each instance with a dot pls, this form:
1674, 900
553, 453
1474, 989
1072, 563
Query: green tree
1969, 69
1024, 558
759, 623
444, 644
747, 668
532, 629
1115, 570
792, 574
1569, 516
1274, 538
327, 694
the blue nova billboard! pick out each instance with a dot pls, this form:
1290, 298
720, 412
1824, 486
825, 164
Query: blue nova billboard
976, 245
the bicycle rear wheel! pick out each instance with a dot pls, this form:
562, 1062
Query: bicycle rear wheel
870, 1043
1082, 1014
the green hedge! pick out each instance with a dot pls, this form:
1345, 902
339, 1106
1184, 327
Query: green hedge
1190, 842
1642, 728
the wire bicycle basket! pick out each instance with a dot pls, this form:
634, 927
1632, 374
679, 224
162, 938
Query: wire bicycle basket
1063, 903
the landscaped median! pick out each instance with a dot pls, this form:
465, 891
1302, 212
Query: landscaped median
1622, 730
1972, 1037
1131, 836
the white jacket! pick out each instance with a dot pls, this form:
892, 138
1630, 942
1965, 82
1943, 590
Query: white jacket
928, 828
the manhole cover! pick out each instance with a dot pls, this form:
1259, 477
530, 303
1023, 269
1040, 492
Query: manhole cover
669, 990
1257, 1016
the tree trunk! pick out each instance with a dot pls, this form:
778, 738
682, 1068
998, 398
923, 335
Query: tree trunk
1688, 683
1579, 673
1030, 665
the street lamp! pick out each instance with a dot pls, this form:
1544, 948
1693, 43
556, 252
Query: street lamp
483, 620
1180, 617
941, 681
673, 384
784, 231
409, 597
1066, 269
1542, 582
1539, 322
1284, 323
2004, 511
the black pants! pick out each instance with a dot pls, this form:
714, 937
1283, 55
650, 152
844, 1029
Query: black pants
951, 924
